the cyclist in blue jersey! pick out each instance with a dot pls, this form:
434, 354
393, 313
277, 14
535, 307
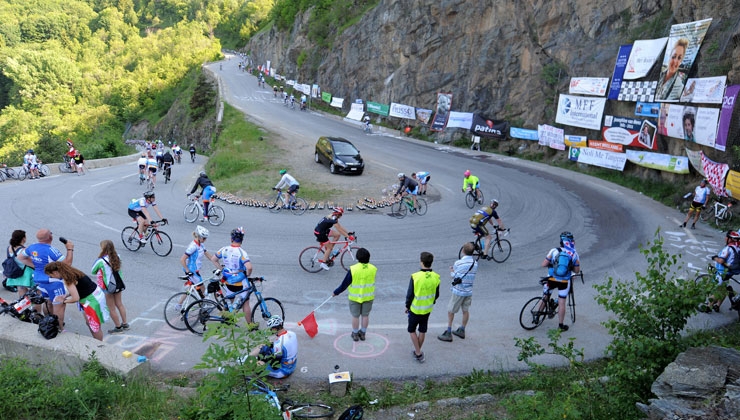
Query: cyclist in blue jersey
137, 209
151, 164
560, 282
192, 259
236, 268
422, 178
281, 357
207, 192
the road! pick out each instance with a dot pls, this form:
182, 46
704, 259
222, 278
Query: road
537, 203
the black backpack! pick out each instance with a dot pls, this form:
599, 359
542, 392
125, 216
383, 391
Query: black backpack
49, 326
11, 269
353, 413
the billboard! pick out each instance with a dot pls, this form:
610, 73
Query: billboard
580, 111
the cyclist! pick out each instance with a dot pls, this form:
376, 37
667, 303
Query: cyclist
274, 91
470, 182
288, 181
422, 178
304, 98
151, 164
192, 259
159, 154
137, 209
407, 186
32, 163
292, 101
323, 232
366, 121
281, 357
167, 161
701, 196
560, 282
192, 152
479, 220
142, 166
208, 190
177, 151
722, 263
236, 268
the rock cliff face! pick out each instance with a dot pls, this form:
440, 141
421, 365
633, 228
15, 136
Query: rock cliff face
507, 59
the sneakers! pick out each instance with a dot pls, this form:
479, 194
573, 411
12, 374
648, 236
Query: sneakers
445, 336
693, 226
142, 239
682, 225
563, 327
326, 267
361, 334
460, 332
535, 319
420, 358
117, 330
178, 307
125, 326
355, 336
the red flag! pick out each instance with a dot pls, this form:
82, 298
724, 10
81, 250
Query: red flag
310, 325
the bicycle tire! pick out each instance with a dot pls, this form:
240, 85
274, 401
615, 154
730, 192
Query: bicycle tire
470, 200
273, 307
299, 207
476, 252
22, 174
500, 250
141, 180
399, 210
216, 215
528, 313
173, 316
10, 173
308, 410
309, 259
572, 303
191, 212
199, 313
44, 170
130, 238
2, 176
276, 206
421, 208
161, 243
350, 254
724, 218
706, 213
65, 168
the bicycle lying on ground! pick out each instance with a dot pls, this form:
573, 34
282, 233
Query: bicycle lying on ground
500, 248
22, 309
174, 308
290, 409
311, 257
159, 241
7, 172
721, 212
470, 198
534, 312
298, 207
405, 205
193, 210
199, 313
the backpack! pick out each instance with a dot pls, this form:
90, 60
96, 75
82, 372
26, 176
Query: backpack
115, 284
11, 269
563, 265
49, 326
734, 267
353, 413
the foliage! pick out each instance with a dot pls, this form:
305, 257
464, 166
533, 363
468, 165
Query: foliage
649, 315
203, 98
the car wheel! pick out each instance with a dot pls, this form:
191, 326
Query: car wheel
332, 168
316, 157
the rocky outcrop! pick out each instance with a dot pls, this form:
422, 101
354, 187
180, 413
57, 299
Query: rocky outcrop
702, 383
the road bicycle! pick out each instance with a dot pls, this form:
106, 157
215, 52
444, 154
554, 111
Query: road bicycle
533, 314
289, 408
159, 241
167, 172
721, 212
193, 210
174, 308
298, 207
470, 198
311, 257
500, 248
7, 172
405, 205
66, 166
22, 309
24, 172
709, 282
142, 178
199, 313
367, 128
178, 157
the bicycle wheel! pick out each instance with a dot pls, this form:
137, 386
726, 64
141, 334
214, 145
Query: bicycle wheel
161, 243
2, 176
477, 252
22, 173
174, 312
470, 200
349, 256
10, 173
276, 206
299, 207
706, 213
199, 313
64, 168
44, 170
399, 209
531, 316
130, 238
191, 212
216, 215
272, 307
309, 259
421, 206
724, 217
572, 303
501, 250
141, 180
308, 410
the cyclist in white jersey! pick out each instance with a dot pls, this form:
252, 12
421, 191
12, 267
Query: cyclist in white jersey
701, 196
142, 163
236, 268
137, 209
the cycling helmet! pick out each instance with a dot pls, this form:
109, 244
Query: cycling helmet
149, 194
201, 232
237, 235
30, 151
467, 174
401, 175
338, 211
202, 173
566, 236
275, 322
494, 203
283, 171
733, 235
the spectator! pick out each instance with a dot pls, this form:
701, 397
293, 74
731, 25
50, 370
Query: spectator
463, 275
103, 268
701, 195
360, 279
17, 244
421, 296
79, 163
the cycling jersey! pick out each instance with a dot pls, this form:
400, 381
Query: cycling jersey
202, 182
423, 177
323, 228
552, 258
177, 150
409, 185
728, 255
41, 254
137, 204
471, 181
152, 164
167, 158
286, 181
701, 194
286, 349
195, 252
234, 260
142, 162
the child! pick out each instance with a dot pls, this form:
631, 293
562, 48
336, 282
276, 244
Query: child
420, 299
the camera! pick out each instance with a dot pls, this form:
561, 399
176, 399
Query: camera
456, 281
63, 240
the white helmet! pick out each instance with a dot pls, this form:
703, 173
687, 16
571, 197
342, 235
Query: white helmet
201, 232
275, 322
401, 175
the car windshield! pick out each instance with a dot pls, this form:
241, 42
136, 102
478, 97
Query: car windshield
345, 149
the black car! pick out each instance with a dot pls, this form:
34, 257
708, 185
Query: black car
341, 155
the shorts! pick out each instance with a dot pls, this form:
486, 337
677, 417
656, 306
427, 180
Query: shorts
459, 302
208, 192
420, 321
562, 286
136, 214
52, 289
360, 309
423, 181
412, 192
696, 206
153, 170
293, 188
142, 166
321, 237
482, 229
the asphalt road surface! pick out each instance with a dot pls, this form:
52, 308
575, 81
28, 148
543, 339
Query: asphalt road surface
537, 203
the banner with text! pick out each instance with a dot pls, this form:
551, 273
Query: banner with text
725, 116
337, 102
444, 104
551, 136
376, 108
697, 125
595, 86
401, 111
629, 132
732, 184
619, 66
580, 111
605, 145
602, 158
576, 141
423, 115
645, 52
647, 109
683, 44
485, 127
460, 120
523, 133
659, 161
707, 90
356, 112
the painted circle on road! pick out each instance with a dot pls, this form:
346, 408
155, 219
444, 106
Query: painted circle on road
374, 345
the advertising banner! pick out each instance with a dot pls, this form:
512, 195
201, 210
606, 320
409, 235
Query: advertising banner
356, 112
619, 66
444, 104
326, 97
576, 141
315, 91
647, 109
659, 161
376, 108
595, 86
697, 125
629, 132
580, 111
725, 116
401, 111
423, 115
602, 158
683, 44
336, 102
460, 120
645, 52
523, 133
707, 90
732, 184
695, 160
715, 174
551, 136
605, 145
485, 127
637, 91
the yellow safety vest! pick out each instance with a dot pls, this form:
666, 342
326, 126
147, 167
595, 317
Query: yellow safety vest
425, 289
362, 288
